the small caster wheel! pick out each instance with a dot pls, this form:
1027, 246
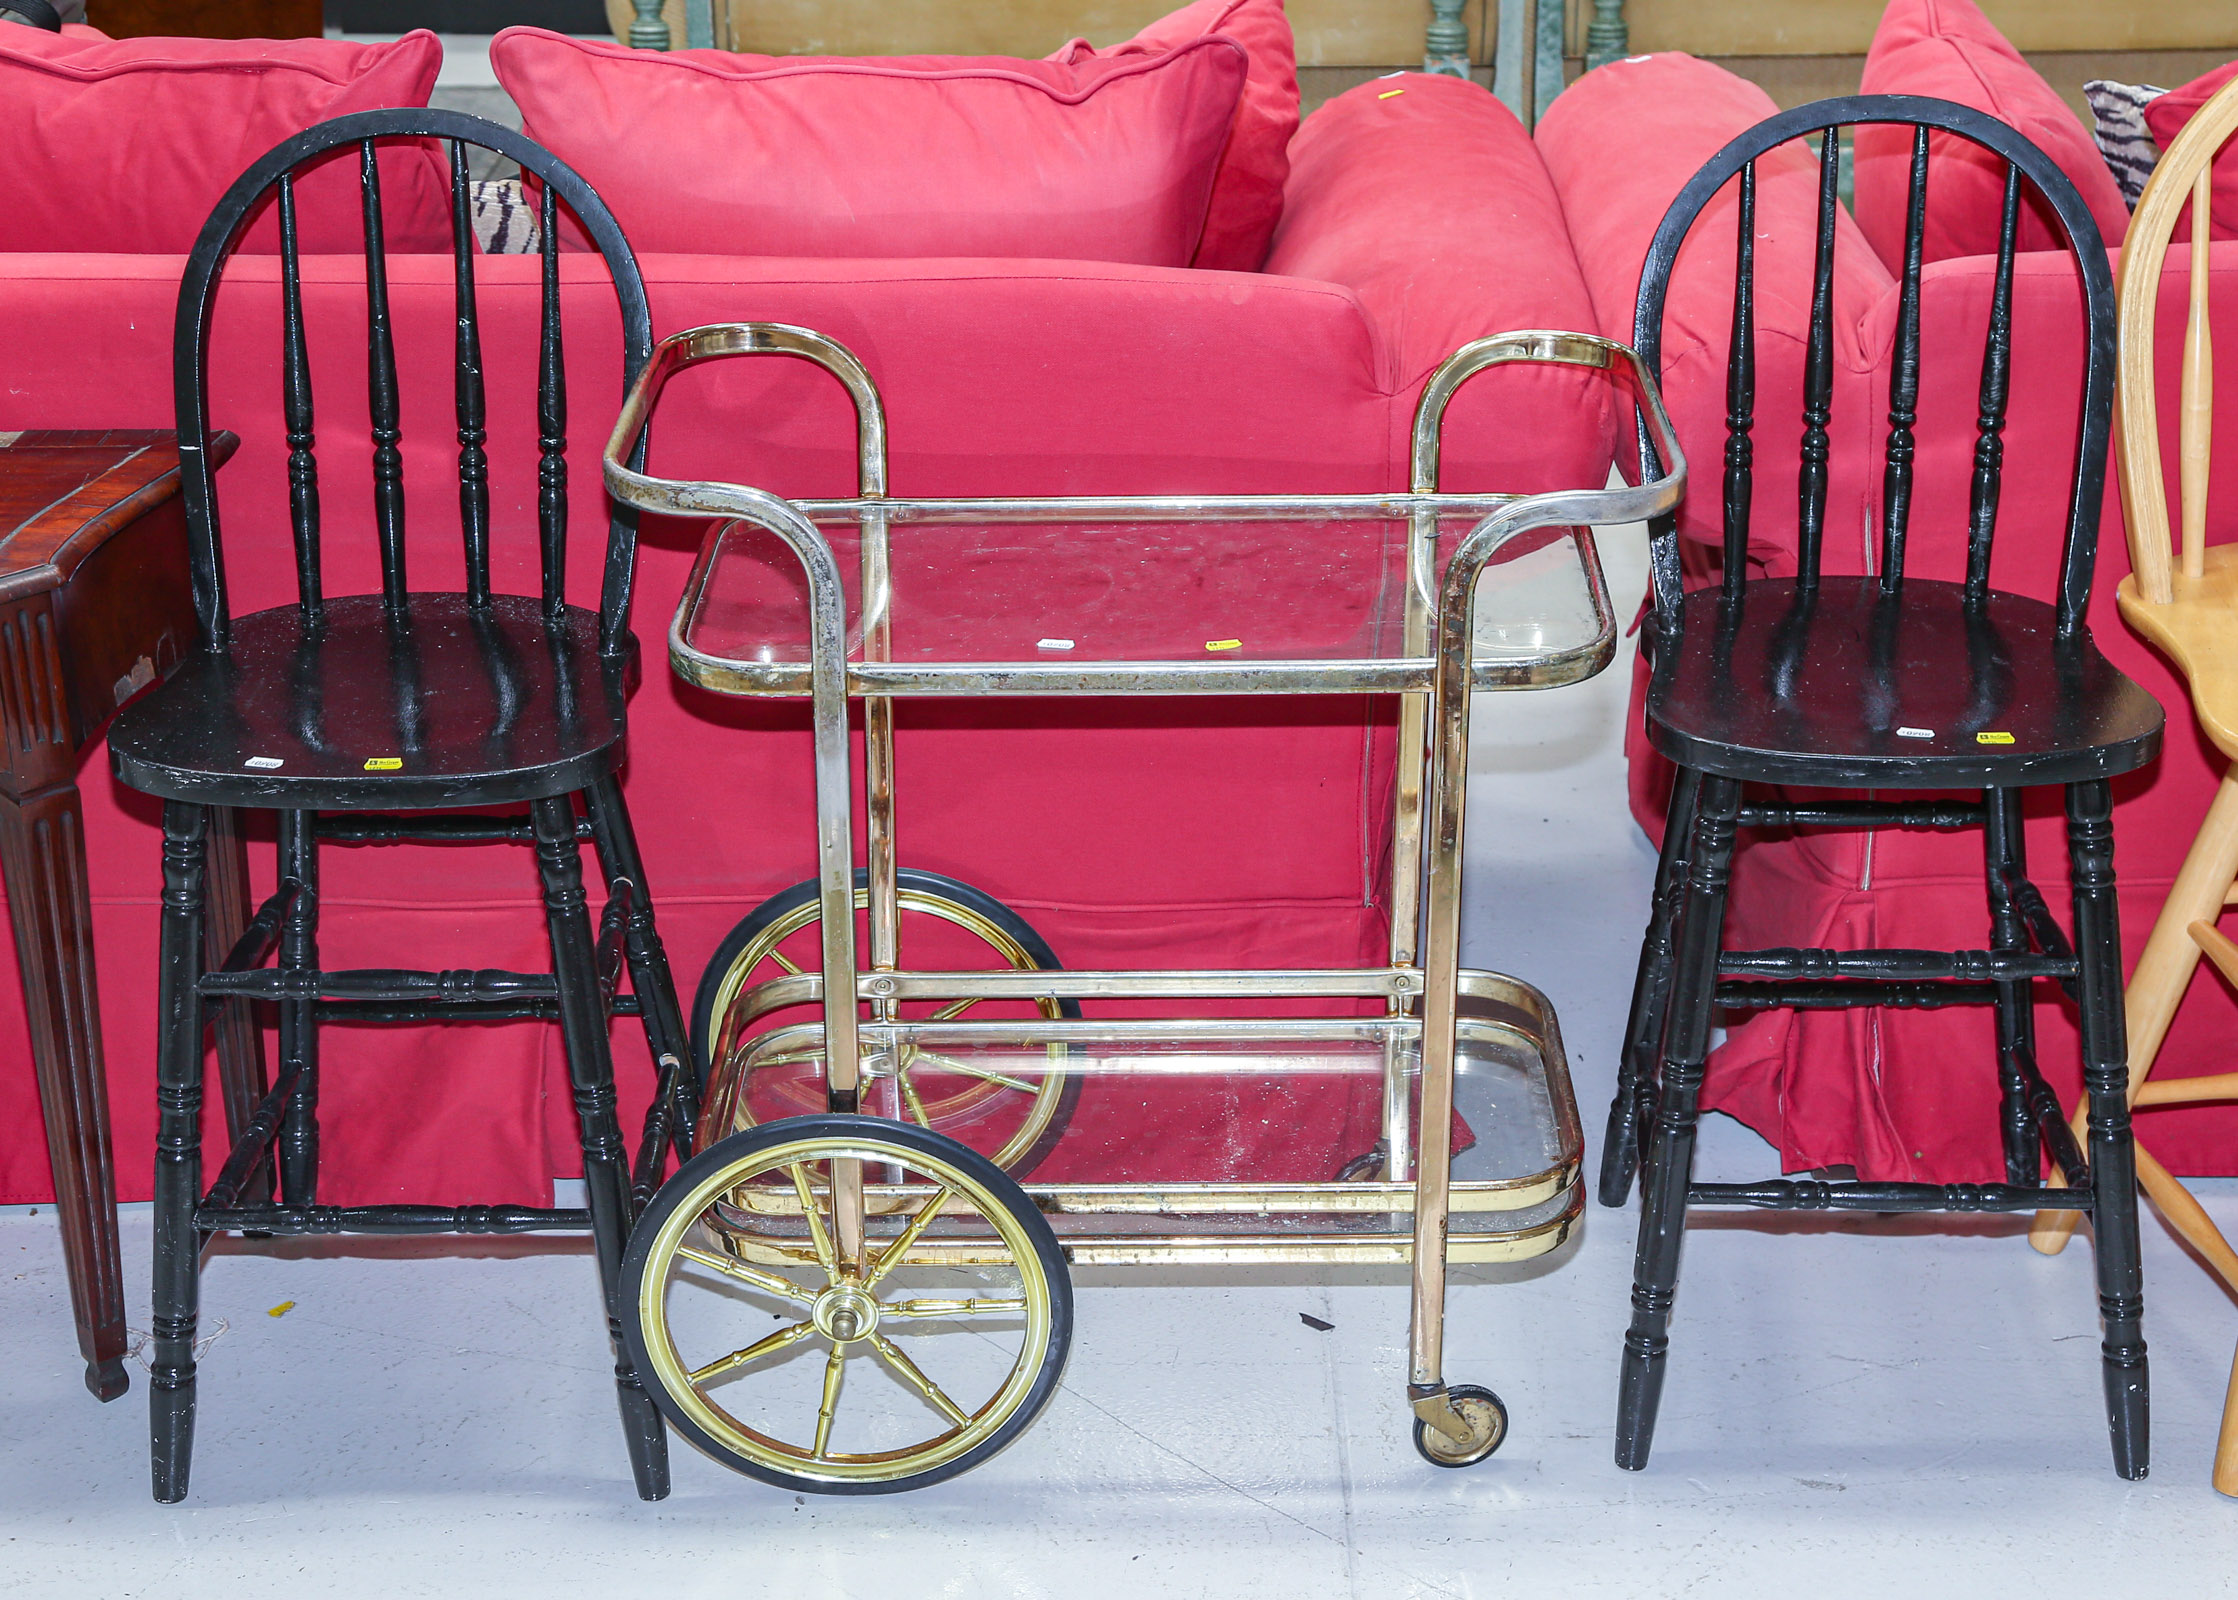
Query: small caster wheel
1487, 1418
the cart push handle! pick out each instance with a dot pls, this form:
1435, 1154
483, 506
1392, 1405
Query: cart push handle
827, 607
1550, 347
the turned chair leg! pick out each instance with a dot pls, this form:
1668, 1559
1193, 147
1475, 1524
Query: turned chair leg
590, 1070
298, 1143
1651, 992
2113, 1168
2226, 1446
2165, 967
1669, 1167
650, 979
178, 1152
2005, 863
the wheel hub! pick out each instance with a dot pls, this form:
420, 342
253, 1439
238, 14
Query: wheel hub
845, 1313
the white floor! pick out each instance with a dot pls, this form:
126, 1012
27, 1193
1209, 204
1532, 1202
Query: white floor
1854, 1408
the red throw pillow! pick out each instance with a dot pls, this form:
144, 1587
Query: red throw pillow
125, 145
1247, 192
1948, 49
732, 154
2166, 115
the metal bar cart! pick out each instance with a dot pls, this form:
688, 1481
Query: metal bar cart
926, 1187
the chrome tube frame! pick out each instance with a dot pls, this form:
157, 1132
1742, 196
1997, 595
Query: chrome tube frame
1436, 678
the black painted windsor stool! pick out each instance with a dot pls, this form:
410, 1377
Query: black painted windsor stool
338, 713
1805, 683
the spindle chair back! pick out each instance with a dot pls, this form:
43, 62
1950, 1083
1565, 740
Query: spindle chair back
275, 176
2027, 169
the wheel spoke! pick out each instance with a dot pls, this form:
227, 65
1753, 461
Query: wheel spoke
890, 1257
910, 1095
951, 1064
782, 960
767, 1282
789, 1058
817, 1237
782, 1339
907, 1370
951, 1308
954, 1009
832, 1370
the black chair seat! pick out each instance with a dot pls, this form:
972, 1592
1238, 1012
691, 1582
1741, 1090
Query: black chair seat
1853, 688
477, 707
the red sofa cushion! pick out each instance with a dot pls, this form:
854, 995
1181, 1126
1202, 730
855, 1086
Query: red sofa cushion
1698, 108
2166, 116
126, 144
1247, 191
1434, 276
919, 156
1947, 49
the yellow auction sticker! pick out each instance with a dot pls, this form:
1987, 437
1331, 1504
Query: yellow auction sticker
1223, 644
1993, 738
384, 763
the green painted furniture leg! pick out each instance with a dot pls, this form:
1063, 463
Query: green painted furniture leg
1507, 58
1606, 37
1546, 70
1446, 45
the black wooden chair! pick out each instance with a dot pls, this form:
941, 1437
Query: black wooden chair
337, 712
1805, 682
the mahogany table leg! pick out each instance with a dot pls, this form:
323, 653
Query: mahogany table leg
241, 1080
42, 849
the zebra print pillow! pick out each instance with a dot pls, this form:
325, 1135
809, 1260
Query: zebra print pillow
504, 221
2123, 139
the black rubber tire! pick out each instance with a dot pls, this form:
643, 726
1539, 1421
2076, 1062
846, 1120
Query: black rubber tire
1465, 1391
910, 1138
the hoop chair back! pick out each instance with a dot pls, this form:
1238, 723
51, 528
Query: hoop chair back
274, 174
2023, 163
2184, 176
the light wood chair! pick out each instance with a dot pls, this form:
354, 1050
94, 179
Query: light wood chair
2188, 609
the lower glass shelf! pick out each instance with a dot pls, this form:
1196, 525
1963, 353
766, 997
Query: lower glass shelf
1212, 1139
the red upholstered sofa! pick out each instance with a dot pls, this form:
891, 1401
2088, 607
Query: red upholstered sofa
1187, 832
1896, 1094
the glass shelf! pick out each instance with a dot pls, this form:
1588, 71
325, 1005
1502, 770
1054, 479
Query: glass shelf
1211, 606
1217, 1147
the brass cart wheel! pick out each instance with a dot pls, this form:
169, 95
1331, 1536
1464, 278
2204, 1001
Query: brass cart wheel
768, 1347
1014, 1118
1487, 1417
